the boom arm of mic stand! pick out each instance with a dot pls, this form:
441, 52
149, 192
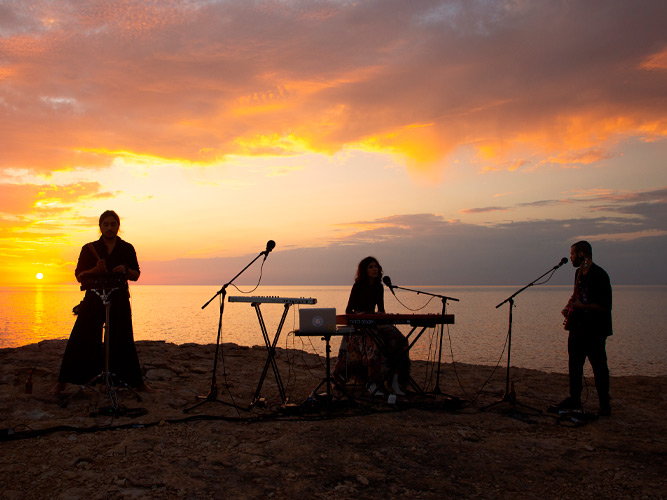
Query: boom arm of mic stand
213, 392
507, 397
224, 287
511, 297
418, 292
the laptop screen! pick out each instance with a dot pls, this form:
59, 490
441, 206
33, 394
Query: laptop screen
317, 320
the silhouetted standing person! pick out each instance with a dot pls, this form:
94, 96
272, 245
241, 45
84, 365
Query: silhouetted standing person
84, 355
588, 318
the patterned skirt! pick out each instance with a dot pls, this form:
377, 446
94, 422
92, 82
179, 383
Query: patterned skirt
361, 359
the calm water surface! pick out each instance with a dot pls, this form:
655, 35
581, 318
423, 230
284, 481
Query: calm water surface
175, 314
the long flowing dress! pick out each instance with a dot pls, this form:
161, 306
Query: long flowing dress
84, 356
359, 356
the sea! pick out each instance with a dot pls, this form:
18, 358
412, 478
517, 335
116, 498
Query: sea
480, 334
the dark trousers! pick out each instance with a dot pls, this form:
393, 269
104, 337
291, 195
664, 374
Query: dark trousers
582, 345
84, 356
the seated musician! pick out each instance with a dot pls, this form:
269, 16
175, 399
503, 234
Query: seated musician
360, 359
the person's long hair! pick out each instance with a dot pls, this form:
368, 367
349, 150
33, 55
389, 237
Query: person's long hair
362, 270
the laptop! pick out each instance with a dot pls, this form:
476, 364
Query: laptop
317, 320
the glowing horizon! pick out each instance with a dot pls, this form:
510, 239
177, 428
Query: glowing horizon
211, 127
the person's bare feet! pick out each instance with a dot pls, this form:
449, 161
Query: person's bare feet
58, 388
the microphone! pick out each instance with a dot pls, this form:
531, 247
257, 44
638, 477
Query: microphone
562, 261
387, 281
270, 245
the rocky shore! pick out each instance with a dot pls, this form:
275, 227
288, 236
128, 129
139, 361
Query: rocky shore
423, 446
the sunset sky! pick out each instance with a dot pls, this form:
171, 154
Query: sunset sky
460, 142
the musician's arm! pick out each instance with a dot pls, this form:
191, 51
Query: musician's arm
568, 306
570, 303
99, 268
89, 263
132, 274
600, 305
589, 307
353, 300
131, 265
381, 301
575, 303
599, 296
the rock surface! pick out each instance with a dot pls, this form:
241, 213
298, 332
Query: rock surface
421, 447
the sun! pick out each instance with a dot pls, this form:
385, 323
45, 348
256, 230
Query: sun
39, 276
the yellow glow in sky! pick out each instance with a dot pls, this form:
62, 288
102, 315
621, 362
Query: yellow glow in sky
325, 134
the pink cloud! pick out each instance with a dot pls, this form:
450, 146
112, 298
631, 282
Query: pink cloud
481, 210
199, 81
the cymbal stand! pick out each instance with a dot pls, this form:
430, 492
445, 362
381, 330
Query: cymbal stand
212, 395
110, 379
444, 299
510, 394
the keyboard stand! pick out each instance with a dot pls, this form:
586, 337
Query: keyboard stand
411, 380
375, 334
271, 349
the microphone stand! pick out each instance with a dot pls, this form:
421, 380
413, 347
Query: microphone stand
510, 395
103, 286
444, 299
213, 392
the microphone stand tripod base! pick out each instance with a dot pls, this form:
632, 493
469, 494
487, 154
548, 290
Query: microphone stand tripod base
211, 397
110, 380
107, 379
510, 399
510, 396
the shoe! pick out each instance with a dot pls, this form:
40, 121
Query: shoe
373, 390
565, 405
604, 411
395, 387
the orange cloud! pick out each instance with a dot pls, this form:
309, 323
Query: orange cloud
202, 81
482, 210
40, 200
36, 226
657, 61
